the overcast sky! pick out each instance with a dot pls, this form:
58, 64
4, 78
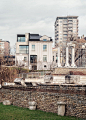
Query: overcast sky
37, 16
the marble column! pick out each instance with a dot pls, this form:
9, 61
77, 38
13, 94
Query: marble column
73, 55
59, 64
67, 58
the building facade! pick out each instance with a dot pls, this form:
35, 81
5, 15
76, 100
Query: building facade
65, 27
4, 47
34, 51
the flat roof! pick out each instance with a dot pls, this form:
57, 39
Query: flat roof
65, 16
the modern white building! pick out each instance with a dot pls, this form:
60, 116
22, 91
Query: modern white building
65, 27
34, 51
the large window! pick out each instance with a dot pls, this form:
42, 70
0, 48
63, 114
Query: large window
33, 47
33, 58
21, 39
23, 49
44, 47
44, 58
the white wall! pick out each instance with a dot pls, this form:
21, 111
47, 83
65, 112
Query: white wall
39, 52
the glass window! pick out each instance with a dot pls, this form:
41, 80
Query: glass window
33, 47
44, 40
69, 20
25, 58
23, 49
44, 58
21, 39
65, 34
33, 58
53, 58
44, 47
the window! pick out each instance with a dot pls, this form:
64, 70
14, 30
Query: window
44, 40
25, 58
65, 34
44, 47
53, 58
33, 47
23, 49
21, 39
44, 58
33, 58
70, 21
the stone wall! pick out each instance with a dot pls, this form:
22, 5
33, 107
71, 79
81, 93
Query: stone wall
65, 71
47, 96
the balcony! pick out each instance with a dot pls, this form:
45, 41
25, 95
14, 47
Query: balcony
65, 32
70, 25
65, 25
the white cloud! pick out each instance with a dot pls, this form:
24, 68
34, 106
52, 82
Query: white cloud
37, 16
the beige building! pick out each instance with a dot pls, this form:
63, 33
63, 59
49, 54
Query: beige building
65, 27
34, 51
4, 47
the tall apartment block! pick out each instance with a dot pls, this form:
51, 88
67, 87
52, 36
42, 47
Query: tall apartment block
65, 27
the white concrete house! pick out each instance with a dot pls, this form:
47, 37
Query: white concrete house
34, 51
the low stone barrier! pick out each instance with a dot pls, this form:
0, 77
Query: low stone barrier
47, 96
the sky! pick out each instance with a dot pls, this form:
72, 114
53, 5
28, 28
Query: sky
37, 16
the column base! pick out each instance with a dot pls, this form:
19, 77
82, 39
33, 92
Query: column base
59, 65
73, 65
67, 65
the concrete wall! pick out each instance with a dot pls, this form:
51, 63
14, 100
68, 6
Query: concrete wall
47, 96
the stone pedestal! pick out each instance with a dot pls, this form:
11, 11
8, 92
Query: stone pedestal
6, 102
32, 105
61, 108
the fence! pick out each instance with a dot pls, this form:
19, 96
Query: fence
32, 74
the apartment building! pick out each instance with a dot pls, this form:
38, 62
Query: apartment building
65, 27
4, 47
34, 51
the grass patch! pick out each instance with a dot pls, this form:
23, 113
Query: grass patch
11, 112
